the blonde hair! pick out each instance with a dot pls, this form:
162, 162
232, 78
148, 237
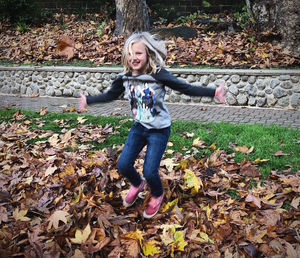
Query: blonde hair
156, 51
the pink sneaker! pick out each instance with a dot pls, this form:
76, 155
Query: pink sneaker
153, 206
132, 194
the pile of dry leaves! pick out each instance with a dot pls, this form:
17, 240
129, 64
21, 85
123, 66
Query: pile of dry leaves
68, 38
58, 199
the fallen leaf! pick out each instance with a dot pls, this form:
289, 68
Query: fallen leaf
295, 202
81, 236
280, 153
56, 217
66, 47
50, 170
192, 181
255, 200
199, 143
244, 149
150, 248
20, 215
43, 111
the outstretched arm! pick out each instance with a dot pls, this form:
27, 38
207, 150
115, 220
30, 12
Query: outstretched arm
113, 93
174, 83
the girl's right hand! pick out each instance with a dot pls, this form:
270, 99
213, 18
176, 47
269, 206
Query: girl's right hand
82, 102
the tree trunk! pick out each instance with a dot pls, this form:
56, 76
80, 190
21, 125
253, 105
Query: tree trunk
281, 16
131, 16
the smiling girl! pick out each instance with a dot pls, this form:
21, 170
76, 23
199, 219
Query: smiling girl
145, 80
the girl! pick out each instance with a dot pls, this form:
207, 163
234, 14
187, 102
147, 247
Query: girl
143, 60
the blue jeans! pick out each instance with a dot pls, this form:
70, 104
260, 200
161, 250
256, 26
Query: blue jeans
156, 141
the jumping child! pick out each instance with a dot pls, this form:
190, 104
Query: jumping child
144, 80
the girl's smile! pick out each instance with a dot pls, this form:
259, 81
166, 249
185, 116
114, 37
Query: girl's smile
138, 59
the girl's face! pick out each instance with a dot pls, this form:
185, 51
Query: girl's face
138, 60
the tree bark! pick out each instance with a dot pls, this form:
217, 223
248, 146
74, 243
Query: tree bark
131, 16
281, 16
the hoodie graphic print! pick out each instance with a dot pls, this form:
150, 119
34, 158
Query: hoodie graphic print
142, 101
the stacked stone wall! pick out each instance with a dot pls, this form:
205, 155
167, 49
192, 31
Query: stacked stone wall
261, 88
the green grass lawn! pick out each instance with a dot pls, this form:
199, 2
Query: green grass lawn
266, 140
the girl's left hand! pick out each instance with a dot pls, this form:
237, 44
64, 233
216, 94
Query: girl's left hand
220, 93
82, 102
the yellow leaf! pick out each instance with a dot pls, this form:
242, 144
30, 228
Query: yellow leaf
78, 196
81, 236
205, 237
68, 170
72, 109
213, 146
149, 248
208, 211
136, 235
269, 196
178, 239
192, 180
259, 160
83, 171
56, 217
20, 215
230, 201
170, 204
167, 235
219, 222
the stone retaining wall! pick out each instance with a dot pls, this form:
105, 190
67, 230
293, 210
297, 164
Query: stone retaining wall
262, 88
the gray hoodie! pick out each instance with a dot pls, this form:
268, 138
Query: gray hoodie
146, 94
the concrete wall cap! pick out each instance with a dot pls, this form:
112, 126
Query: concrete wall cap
194, 71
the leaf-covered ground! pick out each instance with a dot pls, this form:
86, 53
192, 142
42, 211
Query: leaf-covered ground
93, 40
59, 199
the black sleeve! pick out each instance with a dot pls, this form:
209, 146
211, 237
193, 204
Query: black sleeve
113, 93
174, 83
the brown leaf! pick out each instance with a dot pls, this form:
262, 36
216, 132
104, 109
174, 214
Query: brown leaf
249, 170
280, 153
43, 111
244, 149
199, 143
253, 199
66, 47
56, 217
